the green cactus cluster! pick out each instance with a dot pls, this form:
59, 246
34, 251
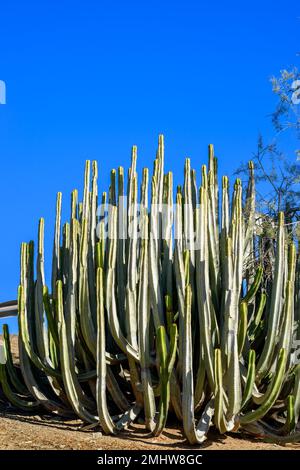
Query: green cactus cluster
161, 306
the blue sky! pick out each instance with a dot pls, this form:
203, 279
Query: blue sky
89, 79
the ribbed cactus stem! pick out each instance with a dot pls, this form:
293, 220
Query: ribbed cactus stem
166, 364
276, 303
250, 379
271, 393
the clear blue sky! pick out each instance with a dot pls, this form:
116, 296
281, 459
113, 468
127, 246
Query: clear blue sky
89, 79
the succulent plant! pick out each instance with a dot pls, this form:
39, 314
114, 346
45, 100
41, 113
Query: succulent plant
157, 308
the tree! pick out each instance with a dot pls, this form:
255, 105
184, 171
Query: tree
277, 173
287, 88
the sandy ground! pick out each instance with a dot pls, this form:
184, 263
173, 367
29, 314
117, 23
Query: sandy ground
19, 432
28, 432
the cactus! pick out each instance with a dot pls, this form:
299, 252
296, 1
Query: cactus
160, 309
